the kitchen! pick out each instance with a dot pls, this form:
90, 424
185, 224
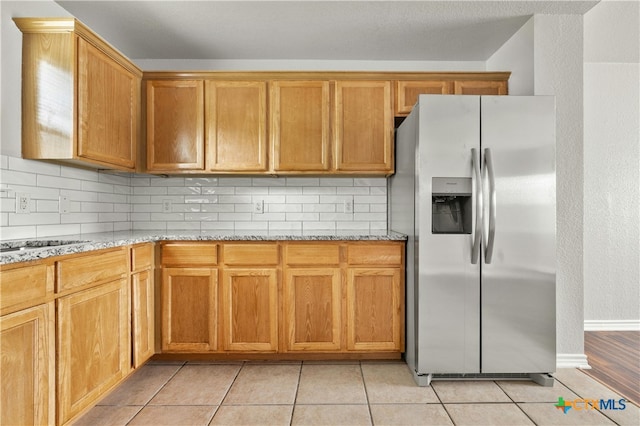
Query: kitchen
106, 196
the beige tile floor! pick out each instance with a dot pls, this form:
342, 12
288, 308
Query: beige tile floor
342, 393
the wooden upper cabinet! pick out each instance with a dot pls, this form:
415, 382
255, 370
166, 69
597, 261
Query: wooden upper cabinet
175, 125
407, 93
300, 126
108, 104
480, 87
80, 96
236, 126
364, 127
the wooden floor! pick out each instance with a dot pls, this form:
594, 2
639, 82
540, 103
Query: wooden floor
614, 357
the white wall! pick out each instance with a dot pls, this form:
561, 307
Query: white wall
612, 166
558, 63
516, 55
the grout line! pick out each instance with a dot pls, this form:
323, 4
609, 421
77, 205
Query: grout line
157, 392
366, 394
295, 397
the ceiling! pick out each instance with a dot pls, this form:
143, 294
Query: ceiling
312, 30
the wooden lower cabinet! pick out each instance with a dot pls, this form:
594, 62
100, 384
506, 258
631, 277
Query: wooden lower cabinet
313, 309
250, 309
142, 317
189, 309
94, 344
28, 366
375, 314
291, 298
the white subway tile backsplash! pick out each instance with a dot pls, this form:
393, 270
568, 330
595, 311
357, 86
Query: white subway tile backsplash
259, 226
96, 207
19, 178
150, 190
217, 190
184, 190
33, 218
47, 206
79, 218
285, 226
55, 230
201, 181
97, 186
103, 200
31, 166
18, 232
303, 199
87, 228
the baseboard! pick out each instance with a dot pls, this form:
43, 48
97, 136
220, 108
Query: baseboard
611, 325
572, 361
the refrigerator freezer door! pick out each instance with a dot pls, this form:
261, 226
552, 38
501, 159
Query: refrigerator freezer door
448, 287
518, 285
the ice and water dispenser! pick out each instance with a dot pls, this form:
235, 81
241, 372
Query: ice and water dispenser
451, 208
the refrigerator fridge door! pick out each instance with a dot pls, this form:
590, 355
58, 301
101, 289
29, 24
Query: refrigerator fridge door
448, 282
518, 274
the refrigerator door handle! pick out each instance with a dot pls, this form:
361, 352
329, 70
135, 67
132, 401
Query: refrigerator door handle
488, 250
477, 238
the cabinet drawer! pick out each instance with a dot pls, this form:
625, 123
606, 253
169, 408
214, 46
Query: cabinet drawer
312, 254
25, 286
249, 254
93, 268
177, 254
141, 257
374, 254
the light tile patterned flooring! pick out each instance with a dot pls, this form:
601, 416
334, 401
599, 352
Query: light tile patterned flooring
342, 393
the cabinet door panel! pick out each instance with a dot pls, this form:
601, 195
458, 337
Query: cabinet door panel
189, 309
28, 367
313, 309
175, 125
236, 122
480, 88
300, 126
94, 345
407, 93
364, 126
143, 322
250, 309
108, 102
374, 312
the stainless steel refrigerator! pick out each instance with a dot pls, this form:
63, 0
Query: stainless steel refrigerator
474, 190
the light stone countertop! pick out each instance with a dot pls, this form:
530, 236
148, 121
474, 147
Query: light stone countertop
42, 248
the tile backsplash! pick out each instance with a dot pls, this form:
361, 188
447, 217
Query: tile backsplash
100, 201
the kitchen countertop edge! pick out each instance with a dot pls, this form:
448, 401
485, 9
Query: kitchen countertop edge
104, 240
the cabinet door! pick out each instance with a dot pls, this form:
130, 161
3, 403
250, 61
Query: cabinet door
250, 308
143, 323
175, 125
28, 367
313, 309
236, 123
407, 93
189, 309
375, 317
300, 129
480, 87
364, 127
108, 104
94, 345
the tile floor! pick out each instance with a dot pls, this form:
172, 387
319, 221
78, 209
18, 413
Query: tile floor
342, 393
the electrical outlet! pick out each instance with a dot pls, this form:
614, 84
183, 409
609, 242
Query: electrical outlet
258, 206
64, 204
348, 206
166, 206
23, 203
